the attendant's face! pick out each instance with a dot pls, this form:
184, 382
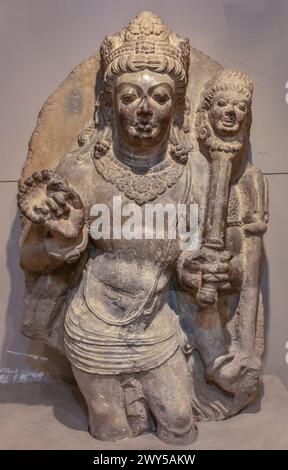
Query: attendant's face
143, 104
228, 111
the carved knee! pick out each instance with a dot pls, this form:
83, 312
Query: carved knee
176, 426
107, 423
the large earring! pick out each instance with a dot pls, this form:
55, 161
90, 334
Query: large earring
180, 144
103, 123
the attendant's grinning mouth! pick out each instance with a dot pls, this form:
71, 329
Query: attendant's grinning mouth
229, 122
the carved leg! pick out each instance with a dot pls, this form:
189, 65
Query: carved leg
166, 389
105, 400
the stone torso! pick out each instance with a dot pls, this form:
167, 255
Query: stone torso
124, 288
128, 264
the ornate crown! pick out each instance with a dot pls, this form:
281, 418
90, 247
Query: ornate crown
145, 36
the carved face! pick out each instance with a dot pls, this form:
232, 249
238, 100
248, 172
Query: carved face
143, 104
228, 111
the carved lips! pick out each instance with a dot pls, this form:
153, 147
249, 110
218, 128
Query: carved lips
143, 127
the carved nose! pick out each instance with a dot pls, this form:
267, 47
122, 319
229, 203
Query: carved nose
230, 111
144, 108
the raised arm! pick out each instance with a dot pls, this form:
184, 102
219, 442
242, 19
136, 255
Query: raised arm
54, 222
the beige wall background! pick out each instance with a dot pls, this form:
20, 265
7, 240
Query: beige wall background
42, 40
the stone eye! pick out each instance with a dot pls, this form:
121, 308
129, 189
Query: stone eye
221, 103
129, 98
242, 107
161, 98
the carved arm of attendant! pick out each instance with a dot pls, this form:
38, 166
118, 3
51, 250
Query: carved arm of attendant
56, 233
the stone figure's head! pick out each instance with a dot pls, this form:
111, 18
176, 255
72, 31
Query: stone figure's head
145, 71
225, 108
230, 102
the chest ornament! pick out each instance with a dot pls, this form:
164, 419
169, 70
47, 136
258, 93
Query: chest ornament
141, 185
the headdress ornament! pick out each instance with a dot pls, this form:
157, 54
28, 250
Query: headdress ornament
145, 36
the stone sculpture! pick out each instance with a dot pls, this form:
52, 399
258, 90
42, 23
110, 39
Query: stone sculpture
158, 336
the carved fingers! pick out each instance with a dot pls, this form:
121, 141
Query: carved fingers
51, 207
210, 267
216, 273
189, 272
28, 197
216, 269
47, 199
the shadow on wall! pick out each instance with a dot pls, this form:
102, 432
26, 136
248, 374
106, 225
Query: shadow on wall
25, 360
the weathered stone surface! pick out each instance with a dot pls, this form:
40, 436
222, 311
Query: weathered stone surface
160, 333
64, 114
